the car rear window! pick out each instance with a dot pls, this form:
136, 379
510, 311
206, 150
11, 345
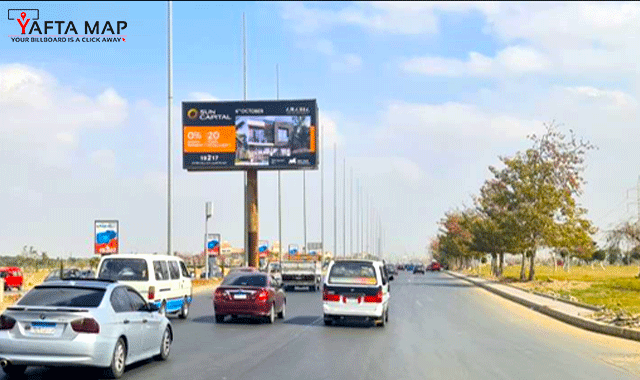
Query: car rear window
62, 296
124, 269
353, 274
246, 280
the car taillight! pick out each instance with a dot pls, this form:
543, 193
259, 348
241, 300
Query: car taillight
377, 298
219, 294
326, 296
86, 325
152, 293
6, 323
263, 295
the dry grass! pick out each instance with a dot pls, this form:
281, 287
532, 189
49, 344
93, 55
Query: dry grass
616, 287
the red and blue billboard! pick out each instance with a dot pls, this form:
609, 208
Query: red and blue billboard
106, 237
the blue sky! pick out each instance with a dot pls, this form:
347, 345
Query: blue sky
419, 97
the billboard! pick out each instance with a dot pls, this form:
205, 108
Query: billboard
105, 234
266, 135
263, 248
213, 244
293, 249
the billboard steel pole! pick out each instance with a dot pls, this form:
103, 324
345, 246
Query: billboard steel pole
304, 208
279, 185
321, 130
169, 130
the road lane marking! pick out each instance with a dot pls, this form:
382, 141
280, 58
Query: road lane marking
418, 303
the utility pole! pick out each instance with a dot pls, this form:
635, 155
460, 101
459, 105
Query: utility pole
207, 215
169, 129
344, 207
351, 213
335, 201
321, 151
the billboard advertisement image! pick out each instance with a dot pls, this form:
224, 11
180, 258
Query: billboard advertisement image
263, 248
213, 244
276, 135
105, 236
293, 249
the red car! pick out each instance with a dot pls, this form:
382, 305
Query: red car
435, 266
253, 294
12, 277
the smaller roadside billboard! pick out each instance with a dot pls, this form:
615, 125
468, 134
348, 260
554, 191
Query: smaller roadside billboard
213, 244
105, 237
293, 249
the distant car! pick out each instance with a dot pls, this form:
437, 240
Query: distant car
252, 294
391, 269
67, 273
13, 277
400, 267
83, 323
418, 269
434, 266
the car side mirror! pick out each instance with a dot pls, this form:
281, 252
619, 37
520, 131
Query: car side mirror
151, 307
390, 278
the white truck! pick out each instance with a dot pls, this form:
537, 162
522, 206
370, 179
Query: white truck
303, 273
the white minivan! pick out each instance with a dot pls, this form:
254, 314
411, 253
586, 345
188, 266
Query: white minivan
356, 290
164, 280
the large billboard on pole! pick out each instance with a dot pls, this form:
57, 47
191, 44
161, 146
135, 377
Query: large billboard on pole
265, 135
105, 237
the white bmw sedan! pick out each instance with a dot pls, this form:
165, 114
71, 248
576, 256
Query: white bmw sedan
98, 323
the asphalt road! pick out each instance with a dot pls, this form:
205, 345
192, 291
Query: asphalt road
439, 328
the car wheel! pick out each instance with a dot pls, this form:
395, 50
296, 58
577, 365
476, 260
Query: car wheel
165, 345
163, 309
219, 318
116, 369
184, 311
312, 288
328, 321
13, 370
282, 312
387, 315
271, 318
382, 321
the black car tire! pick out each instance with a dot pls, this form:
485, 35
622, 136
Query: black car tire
219, 318
116, 369
13, 370
184, 311
282, 313
165, 345
328, 321
271, 318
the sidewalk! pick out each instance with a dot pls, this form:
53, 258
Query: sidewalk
571, 314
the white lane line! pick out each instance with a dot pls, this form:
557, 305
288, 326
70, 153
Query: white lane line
429, 299
418, 303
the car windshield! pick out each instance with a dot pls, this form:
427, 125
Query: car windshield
246, 280
353, 273
62, 296
124, 269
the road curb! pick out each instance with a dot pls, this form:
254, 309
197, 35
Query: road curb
587, 324
574, 303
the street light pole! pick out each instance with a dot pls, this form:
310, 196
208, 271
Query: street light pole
169, 130
351, 213
344, 207
335, 201
279, 185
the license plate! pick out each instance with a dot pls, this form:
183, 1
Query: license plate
42, 328
240, 297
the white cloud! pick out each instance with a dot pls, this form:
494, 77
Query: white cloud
406, 18
514, 60
104, 158
612, 100
410, 120
202, 96
329, 125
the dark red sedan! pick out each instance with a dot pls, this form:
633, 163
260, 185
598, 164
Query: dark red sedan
434, 266
252, 294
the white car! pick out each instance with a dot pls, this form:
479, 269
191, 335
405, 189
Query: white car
356, 290
162, 279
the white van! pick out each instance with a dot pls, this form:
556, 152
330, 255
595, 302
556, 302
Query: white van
164, 280
356, 290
